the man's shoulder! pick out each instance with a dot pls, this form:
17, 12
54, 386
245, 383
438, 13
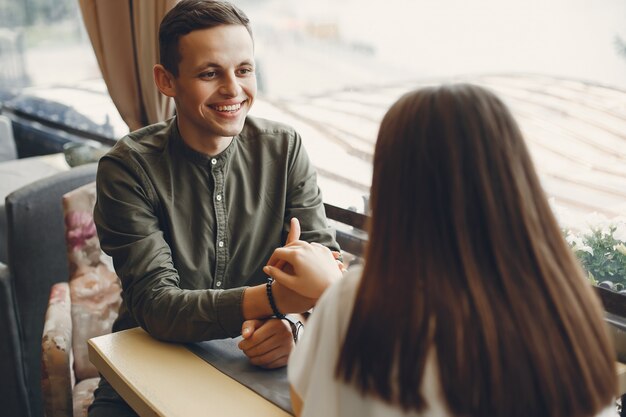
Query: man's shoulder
151, 139
256, 127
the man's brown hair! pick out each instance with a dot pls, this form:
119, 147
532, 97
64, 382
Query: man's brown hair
466, 259
190, 15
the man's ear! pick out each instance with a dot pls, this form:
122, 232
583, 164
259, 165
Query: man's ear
164, 80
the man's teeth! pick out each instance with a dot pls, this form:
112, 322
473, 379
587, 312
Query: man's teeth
232, 107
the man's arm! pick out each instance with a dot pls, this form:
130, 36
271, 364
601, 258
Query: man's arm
304, 199
268, 343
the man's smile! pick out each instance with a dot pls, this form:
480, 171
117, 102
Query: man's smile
231, 108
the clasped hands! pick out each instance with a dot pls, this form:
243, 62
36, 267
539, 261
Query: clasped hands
302, 271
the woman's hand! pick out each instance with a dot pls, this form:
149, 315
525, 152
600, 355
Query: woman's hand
313, 268
289, 301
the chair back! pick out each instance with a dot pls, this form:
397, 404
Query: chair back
37, 259
13, 393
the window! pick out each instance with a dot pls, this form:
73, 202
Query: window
331, 68
48, 68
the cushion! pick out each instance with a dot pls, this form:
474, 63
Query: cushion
56, 375
94, 287
82, 396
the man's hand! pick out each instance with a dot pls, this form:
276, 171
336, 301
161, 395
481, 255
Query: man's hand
267, 343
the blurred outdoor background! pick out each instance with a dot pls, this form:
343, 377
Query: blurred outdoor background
331, 68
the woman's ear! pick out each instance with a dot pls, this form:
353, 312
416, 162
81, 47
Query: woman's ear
164, 80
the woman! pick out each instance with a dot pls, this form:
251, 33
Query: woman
470, 303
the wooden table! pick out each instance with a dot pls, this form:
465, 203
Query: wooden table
166, 379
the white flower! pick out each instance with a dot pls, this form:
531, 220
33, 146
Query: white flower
620, 232
597, 221
621, 248
577, 243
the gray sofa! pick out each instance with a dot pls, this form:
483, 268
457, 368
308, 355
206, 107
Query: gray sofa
13, 392
36, 260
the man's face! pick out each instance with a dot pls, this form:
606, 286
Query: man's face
216, 83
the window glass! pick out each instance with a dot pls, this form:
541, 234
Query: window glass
331, 68
48, 68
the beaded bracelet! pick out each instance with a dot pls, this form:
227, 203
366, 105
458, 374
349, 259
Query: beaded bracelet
270, 297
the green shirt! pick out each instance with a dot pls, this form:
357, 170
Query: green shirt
187, 232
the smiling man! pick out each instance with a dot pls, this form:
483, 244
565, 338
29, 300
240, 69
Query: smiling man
191, 209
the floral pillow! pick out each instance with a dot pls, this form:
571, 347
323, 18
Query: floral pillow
94, 287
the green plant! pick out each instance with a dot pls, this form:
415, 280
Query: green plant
602, 253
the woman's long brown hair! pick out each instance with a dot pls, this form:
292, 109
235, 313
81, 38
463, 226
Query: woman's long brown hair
466, 257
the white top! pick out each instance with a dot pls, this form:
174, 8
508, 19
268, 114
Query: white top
312, 364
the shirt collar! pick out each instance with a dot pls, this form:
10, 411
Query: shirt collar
199, 157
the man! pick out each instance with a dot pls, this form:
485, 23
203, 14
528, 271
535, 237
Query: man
191, 209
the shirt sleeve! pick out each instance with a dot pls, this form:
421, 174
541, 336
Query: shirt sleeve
128, 223
304, 199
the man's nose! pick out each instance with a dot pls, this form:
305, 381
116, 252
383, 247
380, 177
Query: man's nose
230, 86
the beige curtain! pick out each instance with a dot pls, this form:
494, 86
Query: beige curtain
124, 35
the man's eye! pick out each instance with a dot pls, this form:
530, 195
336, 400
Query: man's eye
246, 71
208, 74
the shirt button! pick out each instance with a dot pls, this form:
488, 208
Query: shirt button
213, 161
218, 283
219, 197
220, 244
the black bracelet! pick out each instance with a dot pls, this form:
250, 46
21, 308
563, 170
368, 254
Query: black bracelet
270, 297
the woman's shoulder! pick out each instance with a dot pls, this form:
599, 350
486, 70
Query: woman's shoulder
334, 308
610, 411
